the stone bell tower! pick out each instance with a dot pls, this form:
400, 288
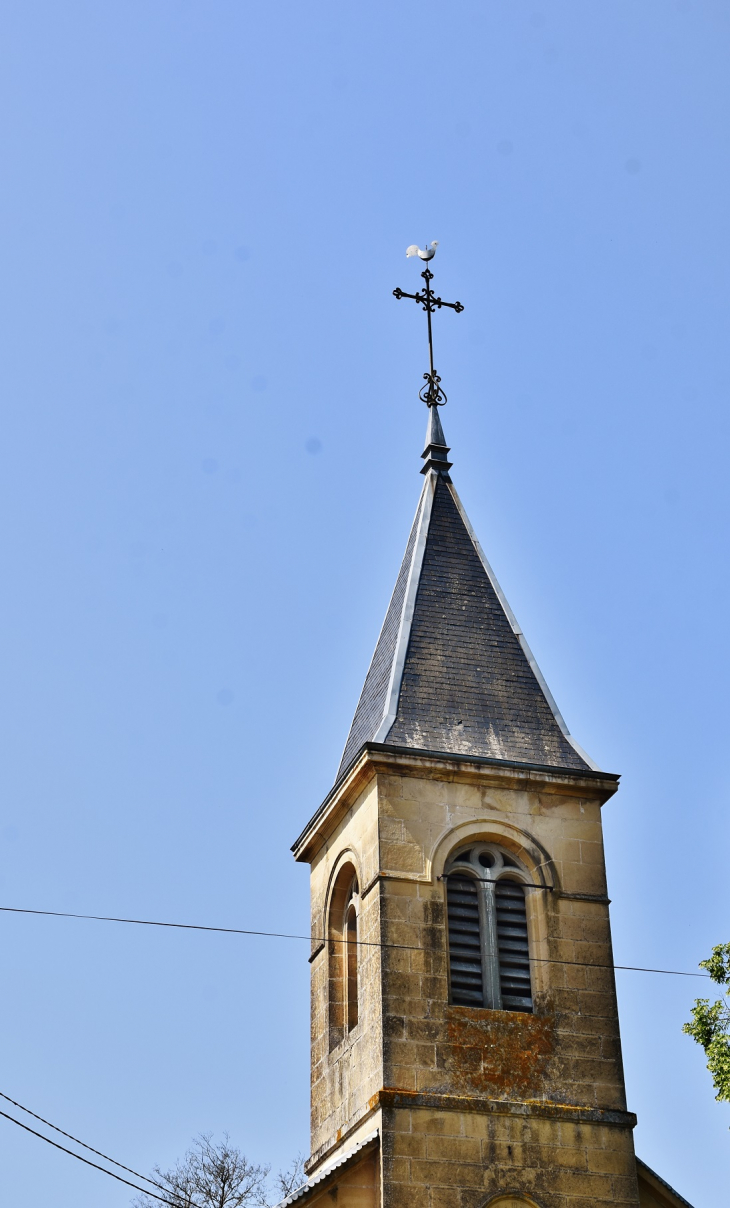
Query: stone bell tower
465, 1035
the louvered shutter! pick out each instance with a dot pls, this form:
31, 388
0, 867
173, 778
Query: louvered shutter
351, 967
514, 955
465, 952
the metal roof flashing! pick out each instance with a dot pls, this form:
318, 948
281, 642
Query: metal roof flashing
337, 1164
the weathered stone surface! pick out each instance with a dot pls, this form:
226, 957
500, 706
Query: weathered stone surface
474, 1107
543, 1097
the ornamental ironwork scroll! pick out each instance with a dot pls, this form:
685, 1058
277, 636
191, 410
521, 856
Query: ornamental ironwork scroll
430, 393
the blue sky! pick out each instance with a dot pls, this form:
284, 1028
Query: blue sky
211, 453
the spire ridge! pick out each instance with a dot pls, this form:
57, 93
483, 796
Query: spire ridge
452, 671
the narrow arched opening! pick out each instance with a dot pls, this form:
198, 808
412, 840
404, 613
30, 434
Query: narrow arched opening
343, 952
352, 966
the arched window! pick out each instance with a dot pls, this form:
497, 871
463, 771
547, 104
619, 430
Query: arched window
343, 955
489, 957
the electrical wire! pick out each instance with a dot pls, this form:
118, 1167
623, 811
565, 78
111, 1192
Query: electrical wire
78, 1156
91, 1149
285, 935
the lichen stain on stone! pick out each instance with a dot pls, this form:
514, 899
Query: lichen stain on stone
502, 1054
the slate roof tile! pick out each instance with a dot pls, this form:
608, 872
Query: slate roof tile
467, 684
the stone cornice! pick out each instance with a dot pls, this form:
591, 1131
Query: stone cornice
379, 758
392, 1097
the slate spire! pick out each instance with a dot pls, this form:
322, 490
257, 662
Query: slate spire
452, 672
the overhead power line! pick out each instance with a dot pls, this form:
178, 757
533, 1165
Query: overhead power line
76, 1141
285, 935
79, 1158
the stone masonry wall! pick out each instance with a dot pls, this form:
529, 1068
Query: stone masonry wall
545, 1084
454, 1159
568, 1052
344, 1078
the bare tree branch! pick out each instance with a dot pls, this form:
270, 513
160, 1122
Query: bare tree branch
211, 1176
290, 1179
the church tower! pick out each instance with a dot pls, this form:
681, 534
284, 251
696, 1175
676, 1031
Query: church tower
465, 1035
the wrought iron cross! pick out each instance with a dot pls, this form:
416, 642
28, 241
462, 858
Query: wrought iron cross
431, 394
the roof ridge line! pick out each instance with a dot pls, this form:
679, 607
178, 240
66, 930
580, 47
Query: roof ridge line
390, 709
659, 1179
416, 517
517, 630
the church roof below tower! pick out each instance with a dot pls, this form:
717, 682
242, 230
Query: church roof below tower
452, 672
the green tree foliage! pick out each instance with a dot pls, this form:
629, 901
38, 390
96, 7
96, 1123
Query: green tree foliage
710, 1024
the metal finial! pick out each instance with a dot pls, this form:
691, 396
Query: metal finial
430, 393
436, 453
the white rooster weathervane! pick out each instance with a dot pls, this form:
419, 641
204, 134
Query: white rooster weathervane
431, 394
426, 253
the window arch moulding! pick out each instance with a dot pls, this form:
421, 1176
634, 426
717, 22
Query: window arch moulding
343, 923
517, 842
344, 857
511, 1200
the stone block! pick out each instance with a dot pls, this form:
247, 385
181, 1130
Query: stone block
404, 1077
437, 1123
409, 1145
408, 1195
442, 1173
402, 857
397, 1170
574, 1159
406, 934
446, 1197
454, 1149
609, 1161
